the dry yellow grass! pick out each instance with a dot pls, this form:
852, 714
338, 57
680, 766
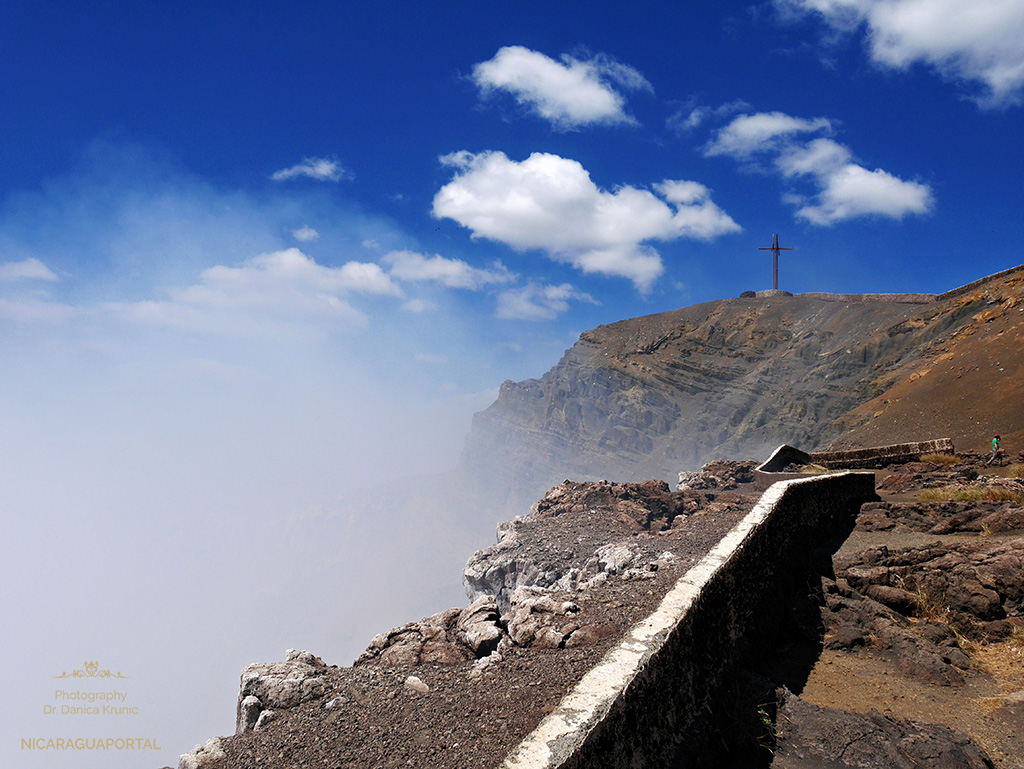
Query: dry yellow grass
971, 494
940, 459
1004, 661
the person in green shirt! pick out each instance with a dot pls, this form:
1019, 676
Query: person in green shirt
997, 453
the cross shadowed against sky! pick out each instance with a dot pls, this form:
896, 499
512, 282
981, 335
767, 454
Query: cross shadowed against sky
254, 255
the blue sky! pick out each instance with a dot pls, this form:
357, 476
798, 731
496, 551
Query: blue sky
254, 254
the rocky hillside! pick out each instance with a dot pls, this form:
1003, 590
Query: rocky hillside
648, 397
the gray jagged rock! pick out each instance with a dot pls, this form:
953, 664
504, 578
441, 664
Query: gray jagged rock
515, 561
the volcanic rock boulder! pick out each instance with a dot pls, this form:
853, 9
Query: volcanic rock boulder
811, 737
975, 586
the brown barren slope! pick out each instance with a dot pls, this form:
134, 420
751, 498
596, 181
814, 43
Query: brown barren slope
967, 385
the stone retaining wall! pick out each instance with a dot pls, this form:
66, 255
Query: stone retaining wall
880, 456
645, 703
982, 281
774, 468
888, 298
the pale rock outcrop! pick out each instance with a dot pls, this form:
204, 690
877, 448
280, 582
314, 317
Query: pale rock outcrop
513, 562
478, 626
450, 636
277, 685
537, 619
417, 685
202, 755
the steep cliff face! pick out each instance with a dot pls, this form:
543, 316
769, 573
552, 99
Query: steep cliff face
650, 396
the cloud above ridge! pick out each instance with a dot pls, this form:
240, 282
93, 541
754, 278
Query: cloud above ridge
845, 189
550, 203
980, 41
570, 93
749, 134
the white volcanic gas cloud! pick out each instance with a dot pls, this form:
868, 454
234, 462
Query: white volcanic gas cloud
845, 189
550, 203
972, 40
453, 273
568, 94
265, 294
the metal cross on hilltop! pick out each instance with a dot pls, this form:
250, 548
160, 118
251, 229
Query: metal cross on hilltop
775, 248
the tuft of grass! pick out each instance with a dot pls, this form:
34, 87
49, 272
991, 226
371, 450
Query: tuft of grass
1016, 470
1003, 661
942, 458
1017, 637
814, 469
971, 494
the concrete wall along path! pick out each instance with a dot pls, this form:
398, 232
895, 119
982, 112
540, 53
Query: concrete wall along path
643, 704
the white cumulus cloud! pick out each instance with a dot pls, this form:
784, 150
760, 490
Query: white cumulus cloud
536, 301
305, 233
855, 191
550, 203
819, 157
569, 93
748, 134
980, 41
320, 169
844, 189
453, 273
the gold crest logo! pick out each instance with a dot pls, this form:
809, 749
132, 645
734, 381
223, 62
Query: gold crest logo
91, 670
